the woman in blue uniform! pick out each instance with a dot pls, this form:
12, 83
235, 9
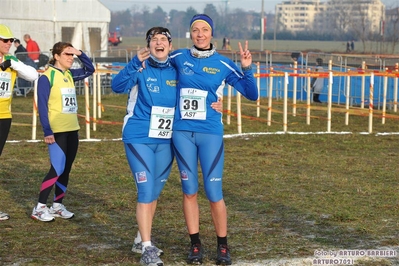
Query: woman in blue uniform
58, 108
150, 81
198, 129
147, 129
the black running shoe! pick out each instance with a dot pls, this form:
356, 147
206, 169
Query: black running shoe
223, 257
196, 254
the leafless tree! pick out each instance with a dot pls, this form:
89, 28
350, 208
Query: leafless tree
391, 27
360, 22
339, 17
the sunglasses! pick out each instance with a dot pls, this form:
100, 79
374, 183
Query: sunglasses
7, 40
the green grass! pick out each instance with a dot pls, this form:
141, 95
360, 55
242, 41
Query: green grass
134, 43
287, 194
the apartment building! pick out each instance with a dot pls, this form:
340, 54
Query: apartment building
297, 15
337, 15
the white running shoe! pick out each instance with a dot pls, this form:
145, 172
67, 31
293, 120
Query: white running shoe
61, 212
150, 257
4, 216
137, 248
42, 214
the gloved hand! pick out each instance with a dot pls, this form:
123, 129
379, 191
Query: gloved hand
6, 64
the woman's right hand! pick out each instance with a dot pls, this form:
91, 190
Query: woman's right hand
143, 54
49, 139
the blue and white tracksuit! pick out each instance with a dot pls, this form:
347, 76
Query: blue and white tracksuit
198, 129
148, 123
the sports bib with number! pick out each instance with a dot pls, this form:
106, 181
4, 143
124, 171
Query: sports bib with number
5, 85
193, 104
161, 122
69, 103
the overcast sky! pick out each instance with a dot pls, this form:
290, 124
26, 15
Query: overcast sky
182, 5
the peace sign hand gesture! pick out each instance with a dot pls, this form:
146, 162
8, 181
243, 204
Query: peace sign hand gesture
245, 55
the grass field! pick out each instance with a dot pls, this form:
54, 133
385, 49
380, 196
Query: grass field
288, 195
133, 43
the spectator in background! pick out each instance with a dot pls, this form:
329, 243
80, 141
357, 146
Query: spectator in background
298, 58
348, 47
228, 47
32, 48
19, 49
21, 54
10, 68
317, 83
224, 43
353, 45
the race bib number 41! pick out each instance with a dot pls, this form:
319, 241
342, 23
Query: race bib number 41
193, 104
5, 84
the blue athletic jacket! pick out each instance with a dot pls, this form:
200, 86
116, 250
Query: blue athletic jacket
208, 74
154, 85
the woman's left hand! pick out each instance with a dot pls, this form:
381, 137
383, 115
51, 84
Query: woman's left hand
245, 55
218, 106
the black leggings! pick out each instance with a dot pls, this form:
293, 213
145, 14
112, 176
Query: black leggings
5, 125
62, 154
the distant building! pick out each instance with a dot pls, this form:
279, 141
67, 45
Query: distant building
297, 15
333, 15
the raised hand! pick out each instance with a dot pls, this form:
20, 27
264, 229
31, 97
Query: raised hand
143, 54
245, 55
72, 50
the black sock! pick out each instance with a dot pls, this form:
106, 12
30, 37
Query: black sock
195, 239
222, 240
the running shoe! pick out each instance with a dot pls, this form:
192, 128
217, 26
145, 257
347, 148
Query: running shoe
4, 216
137, 248
150, 257
42, 214
223, 257
196, 254
61, 212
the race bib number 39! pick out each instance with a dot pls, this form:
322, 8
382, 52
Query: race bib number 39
69, 102
193, 104
161, 123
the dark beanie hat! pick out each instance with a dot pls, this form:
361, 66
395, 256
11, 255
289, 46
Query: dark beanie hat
203, 18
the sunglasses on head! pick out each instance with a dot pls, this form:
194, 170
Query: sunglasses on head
7, 40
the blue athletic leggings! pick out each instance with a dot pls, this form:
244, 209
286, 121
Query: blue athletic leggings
151, 165
189, 147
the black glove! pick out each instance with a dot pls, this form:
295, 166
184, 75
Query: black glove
6, 64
